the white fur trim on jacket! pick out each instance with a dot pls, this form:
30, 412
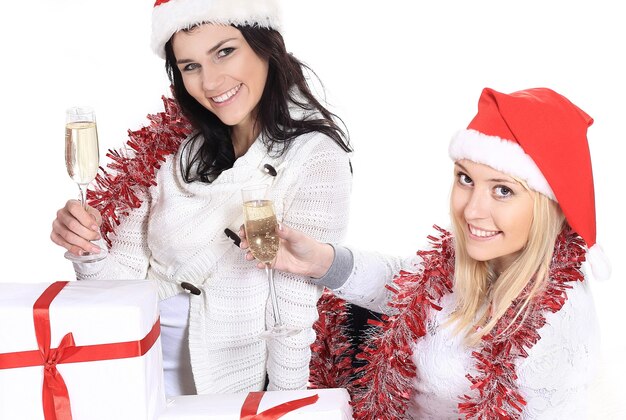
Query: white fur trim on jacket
174, 15
502, 155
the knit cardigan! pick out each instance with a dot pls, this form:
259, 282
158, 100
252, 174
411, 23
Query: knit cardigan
177, 235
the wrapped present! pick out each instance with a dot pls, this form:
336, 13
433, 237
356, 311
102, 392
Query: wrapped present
80, 350
315, 404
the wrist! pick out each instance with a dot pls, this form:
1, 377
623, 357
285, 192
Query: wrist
324, 258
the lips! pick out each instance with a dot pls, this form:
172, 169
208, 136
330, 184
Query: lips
226, 95
481, 233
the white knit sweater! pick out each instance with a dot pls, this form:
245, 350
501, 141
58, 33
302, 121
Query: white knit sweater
554, 378
177, 235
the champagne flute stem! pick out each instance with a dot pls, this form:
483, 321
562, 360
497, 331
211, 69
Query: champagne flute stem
83, 195
83, 202
270, 278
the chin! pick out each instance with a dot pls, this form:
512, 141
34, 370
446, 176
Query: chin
230, 120
479, 256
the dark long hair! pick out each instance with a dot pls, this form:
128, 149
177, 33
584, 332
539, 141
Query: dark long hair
215, 154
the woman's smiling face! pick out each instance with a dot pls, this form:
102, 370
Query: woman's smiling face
495, 210
221, 71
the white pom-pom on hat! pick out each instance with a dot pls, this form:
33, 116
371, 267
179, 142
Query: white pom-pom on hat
599, 263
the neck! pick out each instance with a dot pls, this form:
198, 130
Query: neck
500, 264
243, 135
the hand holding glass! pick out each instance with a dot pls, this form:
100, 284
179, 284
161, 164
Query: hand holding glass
82, 158
260, 223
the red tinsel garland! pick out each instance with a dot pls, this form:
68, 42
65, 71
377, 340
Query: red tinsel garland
331, 353
384, 388
117, 192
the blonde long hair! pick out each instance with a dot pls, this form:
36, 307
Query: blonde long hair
483, 296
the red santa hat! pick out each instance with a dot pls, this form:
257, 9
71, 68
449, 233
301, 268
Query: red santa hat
540, 137
171, 16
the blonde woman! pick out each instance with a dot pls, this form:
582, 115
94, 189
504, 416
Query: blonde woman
495, 320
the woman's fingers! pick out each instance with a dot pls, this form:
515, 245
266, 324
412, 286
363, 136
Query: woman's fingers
298, 253
87, 218
75, 228
242, 235
72, 242
96, 215
244, 243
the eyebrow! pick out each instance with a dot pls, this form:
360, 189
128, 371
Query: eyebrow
509, 181
210, 51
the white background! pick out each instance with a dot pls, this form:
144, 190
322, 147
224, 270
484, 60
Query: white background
404, 77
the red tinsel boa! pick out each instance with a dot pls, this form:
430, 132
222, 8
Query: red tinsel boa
117, 191
384, 388
331, 353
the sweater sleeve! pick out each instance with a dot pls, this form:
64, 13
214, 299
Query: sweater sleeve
556, 376
129, 254
318, 204
371, 272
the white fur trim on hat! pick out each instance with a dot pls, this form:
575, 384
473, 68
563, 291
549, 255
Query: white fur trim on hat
174, 15
502, 155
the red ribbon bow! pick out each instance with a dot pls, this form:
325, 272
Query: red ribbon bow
55, 396
251, 405
56, 399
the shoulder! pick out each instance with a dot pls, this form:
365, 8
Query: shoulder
569, 344
190, 144
576, 321
316, 153
316, 143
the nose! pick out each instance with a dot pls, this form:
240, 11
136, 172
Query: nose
212, 79
477, 205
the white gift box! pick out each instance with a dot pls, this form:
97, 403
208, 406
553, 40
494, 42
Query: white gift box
333, 404
95, 312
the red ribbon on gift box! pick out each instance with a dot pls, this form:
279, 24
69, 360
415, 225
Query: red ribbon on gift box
55, 396
251, 405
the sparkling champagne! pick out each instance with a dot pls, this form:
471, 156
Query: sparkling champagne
81, 151
261, 226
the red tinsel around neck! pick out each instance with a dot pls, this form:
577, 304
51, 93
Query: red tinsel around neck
118, 189
331, 353
496, 394
385, 384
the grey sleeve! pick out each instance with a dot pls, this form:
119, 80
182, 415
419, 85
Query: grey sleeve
340, 269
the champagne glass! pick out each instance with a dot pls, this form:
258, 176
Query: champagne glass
82, 159
260, 222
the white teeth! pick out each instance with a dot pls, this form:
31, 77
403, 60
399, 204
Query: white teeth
227, 95
482, 233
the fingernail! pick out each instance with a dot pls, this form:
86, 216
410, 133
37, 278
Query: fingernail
95, 228
95, 249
